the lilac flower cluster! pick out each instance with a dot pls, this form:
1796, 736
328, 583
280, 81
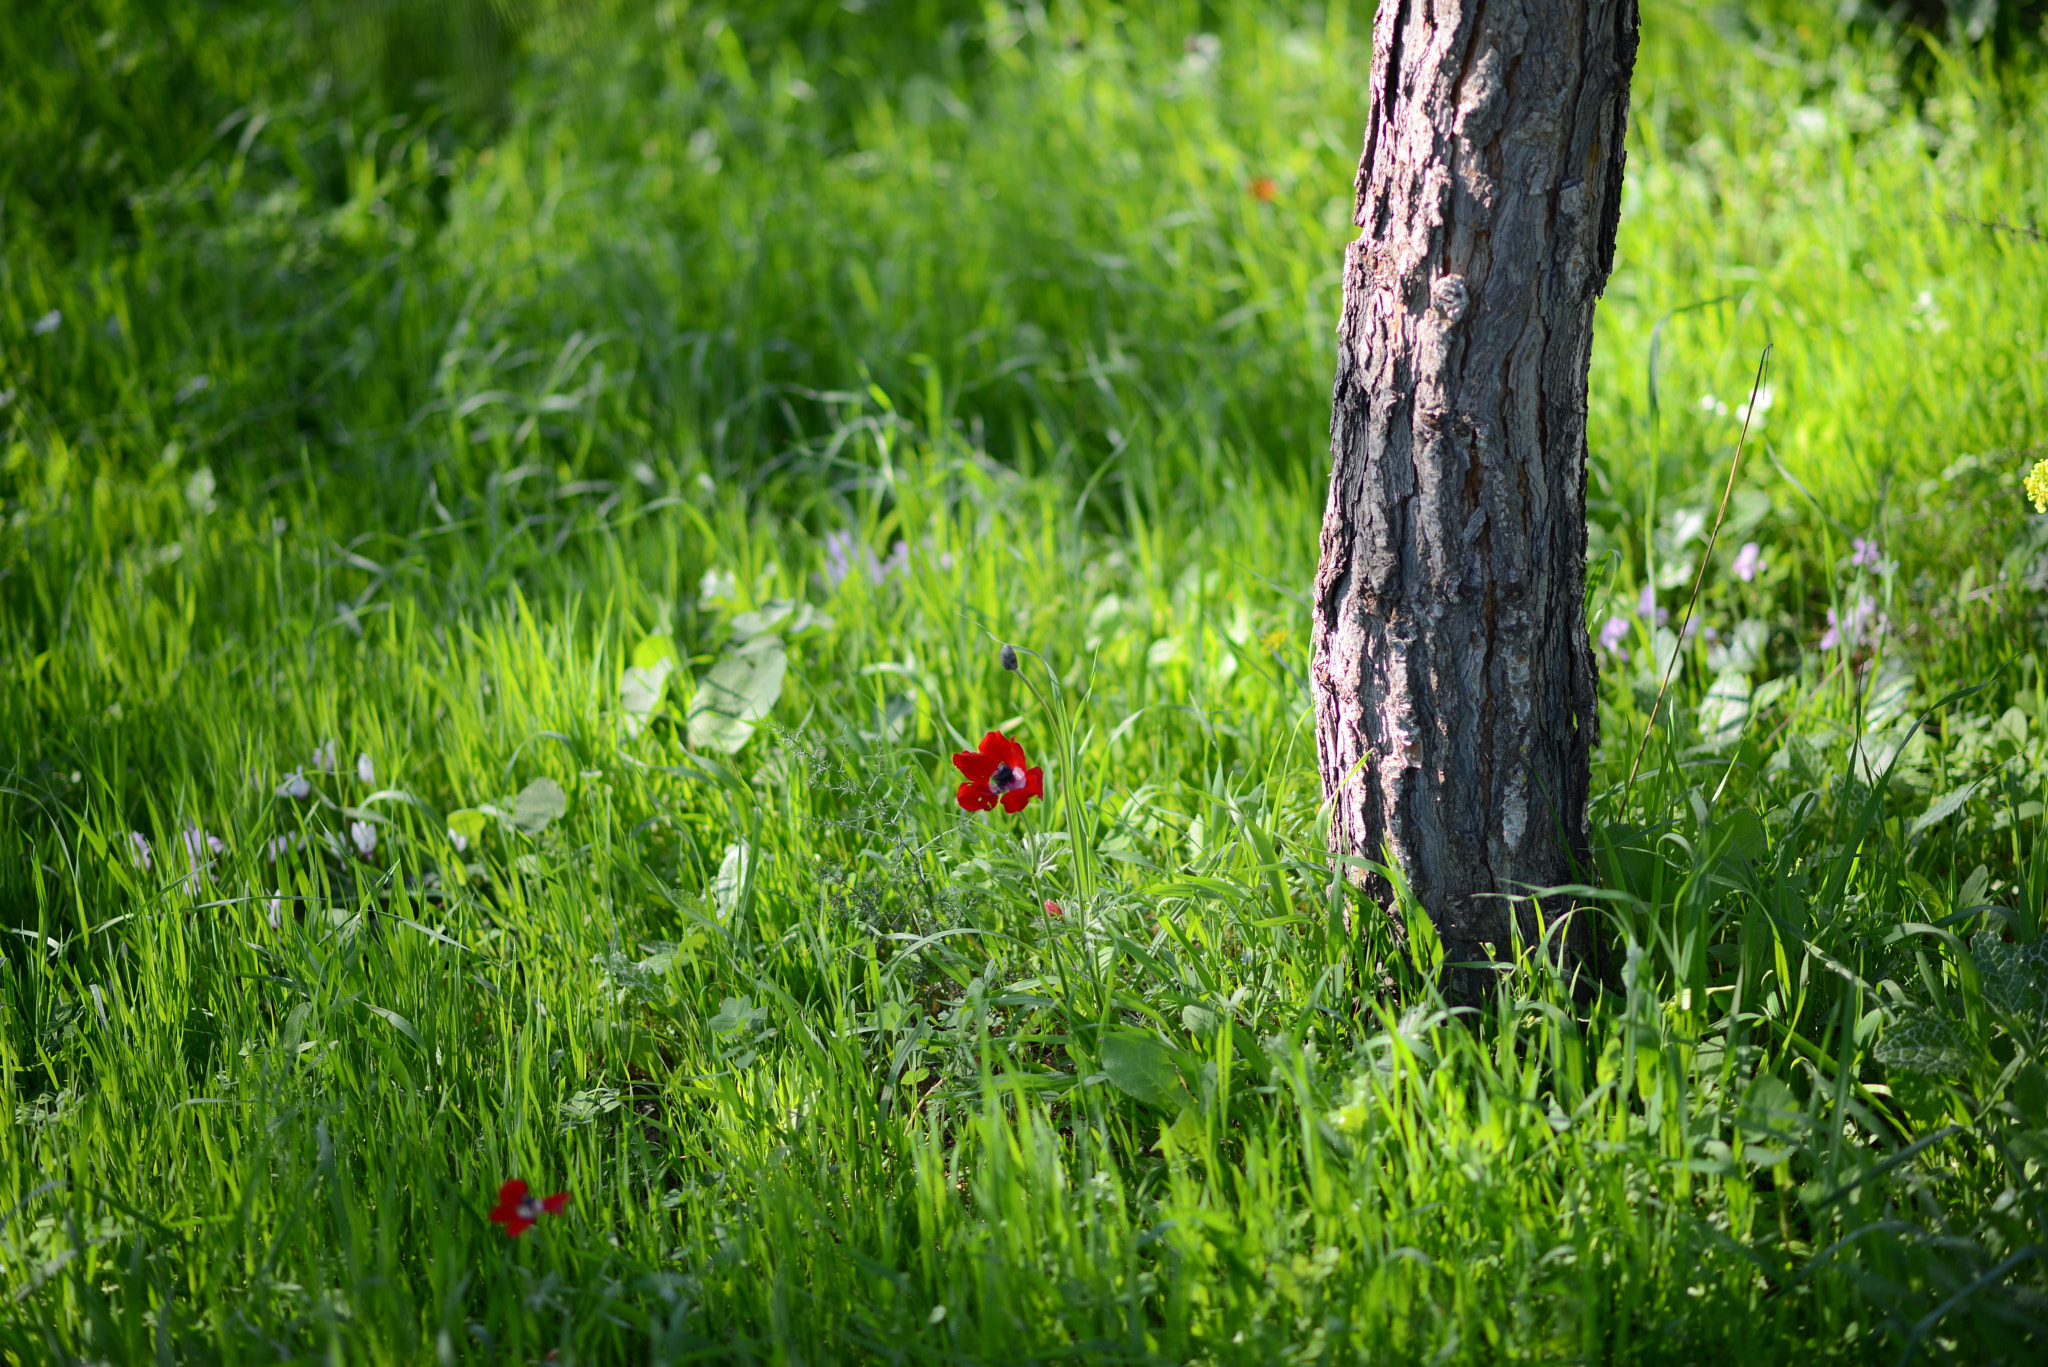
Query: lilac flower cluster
845, 553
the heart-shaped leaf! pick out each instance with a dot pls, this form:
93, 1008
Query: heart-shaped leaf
469, 823
763, 619
538, 804
640, 693
1141, 1066
741, 689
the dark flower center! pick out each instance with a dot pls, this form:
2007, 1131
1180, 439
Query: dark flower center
1005, 779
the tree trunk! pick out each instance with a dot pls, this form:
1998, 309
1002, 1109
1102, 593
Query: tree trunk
1454, 681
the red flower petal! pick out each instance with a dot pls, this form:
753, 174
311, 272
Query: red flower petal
509, 1197
975, 797
1017, 799
1003, 750
554, 1204
975, 766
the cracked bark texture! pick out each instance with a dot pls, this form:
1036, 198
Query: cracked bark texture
1454, 682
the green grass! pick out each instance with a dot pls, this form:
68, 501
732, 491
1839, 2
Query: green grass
406, 407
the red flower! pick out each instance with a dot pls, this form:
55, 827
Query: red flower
996, 773
1264, 190
518, 1208
1052, 908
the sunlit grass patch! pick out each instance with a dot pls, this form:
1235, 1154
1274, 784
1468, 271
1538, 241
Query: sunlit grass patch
490, 610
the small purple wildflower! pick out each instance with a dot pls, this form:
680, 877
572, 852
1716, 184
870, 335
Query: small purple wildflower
1613, 634
1864, 622
1749, 561
324, 757
364, 836
1646, 606
840, 548
296, 786
845, 553
138, 851
1866, 554
200, 849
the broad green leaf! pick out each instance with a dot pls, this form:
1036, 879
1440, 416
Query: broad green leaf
640, 692
469, 823
731, 879
404, 1025
1925, 1042
741, 689
2015, 976
1140, 1066
1725, 710
1744, 649
538, 804
762, 620
1944, 807
652, 651
734, 1013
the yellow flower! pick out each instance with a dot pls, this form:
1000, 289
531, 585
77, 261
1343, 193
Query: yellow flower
2037, 486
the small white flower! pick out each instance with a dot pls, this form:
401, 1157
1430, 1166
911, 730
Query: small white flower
277, 910
365, 771
295, 786
324, 757
138, 851
365, 837
458, 839
48, 323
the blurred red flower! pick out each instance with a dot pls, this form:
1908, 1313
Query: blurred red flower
997, 773
1264, 190
518, 1208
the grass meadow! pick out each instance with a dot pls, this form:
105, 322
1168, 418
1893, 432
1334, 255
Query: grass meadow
506, 512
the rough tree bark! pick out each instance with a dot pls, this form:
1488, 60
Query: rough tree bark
1453, 677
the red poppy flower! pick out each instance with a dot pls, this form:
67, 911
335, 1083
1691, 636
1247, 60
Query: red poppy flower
997, 773
1264, 190
518, 1208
